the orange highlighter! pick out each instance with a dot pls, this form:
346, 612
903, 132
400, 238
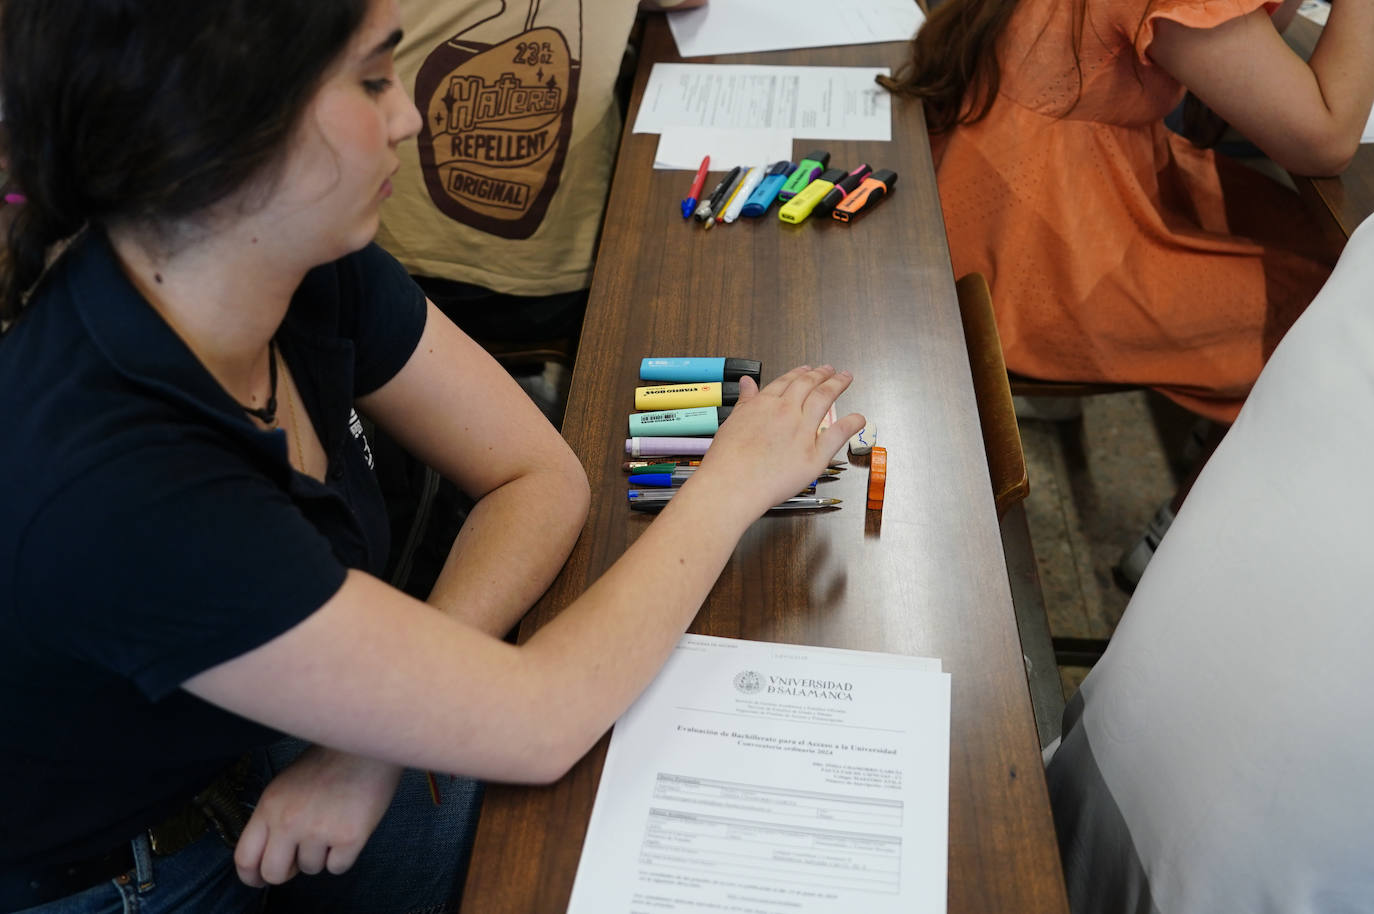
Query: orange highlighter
866, 196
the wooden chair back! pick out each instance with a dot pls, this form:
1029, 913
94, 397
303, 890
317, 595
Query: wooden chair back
996, 416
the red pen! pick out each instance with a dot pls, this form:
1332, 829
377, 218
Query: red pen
690, 204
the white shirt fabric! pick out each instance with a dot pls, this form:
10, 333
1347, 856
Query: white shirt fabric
1220, 757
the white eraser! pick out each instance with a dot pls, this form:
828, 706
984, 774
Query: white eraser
863, 440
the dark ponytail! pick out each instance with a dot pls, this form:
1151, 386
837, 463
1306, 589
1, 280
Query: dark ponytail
149, 110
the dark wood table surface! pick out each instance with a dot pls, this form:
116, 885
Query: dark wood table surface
1349, 197
926, 576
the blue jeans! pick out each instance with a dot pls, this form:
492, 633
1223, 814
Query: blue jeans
414, 863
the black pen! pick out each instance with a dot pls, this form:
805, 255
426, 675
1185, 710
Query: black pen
707, 209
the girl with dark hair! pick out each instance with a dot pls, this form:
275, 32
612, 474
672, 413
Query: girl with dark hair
191, 529
1116, 251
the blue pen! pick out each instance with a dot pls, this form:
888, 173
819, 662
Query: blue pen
767, 191
671, 480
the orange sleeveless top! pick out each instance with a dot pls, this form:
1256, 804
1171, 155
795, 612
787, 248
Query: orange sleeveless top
1115, 250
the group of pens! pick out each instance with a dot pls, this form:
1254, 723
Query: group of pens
688, 402
805, 188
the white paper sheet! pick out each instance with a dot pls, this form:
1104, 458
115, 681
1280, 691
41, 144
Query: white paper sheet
815, 103
1369, 129
741, 26
683, 147
753, 778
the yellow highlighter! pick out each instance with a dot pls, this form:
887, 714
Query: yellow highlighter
799, 207
687, 396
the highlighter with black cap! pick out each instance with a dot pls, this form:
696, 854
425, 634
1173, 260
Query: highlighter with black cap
866, 196
799, 207
843, 188
807, 169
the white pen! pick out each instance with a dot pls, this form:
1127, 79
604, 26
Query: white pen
746, 189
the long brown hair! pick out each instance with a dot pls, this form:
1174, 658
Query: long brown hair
953, 66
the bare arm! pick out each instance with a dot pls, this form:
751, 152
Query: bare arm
1283, 16
1305, 115
376, 673
458, 411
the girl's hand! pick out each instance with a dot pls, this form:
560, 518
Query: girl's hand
316, 815
768, 450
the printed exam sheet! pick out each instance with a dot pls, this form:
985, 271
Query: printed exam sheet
757, 778
813, 103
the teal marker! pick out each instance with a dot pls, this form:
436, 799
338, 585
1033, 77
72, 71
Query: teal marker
807, 170
667, 423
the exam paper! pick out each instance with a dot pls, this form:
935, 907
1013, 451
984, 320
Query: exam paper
741, 26
682, 147
761, 778
817, 103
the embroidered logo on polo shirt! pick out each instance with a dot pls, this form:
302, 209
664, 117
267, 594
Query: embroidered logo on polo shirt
355, 425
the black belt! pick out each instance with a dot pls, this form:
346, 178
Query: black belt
218, 806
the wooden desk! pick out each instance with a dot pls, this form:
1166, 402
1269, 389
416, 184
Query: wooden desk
926, 577
1349, 197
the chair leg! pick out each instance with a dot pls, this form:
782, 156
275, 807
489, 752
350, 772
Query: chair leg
1032, 624
1078, 651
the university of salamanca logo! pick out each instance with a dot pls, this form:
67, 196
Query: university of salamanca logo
749, 682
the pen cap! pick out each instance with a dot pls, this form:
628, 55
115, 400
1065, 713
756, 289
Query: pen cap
735, 369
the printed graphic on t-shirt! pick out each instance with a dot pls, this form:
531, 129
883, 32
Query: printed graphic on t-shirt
498, 102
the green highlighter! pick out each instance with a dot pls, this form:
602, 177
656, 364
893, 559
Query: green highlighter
806, 172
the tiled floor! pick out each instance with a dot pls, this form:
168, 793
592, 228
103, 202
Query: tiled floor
1095, 483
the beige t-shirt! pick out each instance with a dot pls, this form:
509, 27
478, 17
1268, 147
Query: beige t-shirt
506, 183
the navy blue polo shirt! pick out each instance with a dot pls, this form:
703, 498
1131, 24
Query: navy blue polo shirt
149, 531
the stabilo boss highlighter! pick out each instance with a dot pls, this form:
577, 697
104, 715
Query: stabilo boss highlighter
843, 188
666, 447
866, 196
686, 396
682, 370
767, 191
704, 420
806, 171
799, 207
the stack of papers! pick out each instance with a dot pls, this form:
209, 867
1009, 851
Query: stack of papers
742, 26
758, 111
753, 777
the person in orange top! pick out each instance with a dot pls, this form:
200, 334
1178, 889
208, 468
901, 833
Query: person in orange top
1115, 250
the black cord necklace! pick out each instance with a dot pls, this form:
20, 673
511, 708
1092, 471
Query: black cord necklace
267, 414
